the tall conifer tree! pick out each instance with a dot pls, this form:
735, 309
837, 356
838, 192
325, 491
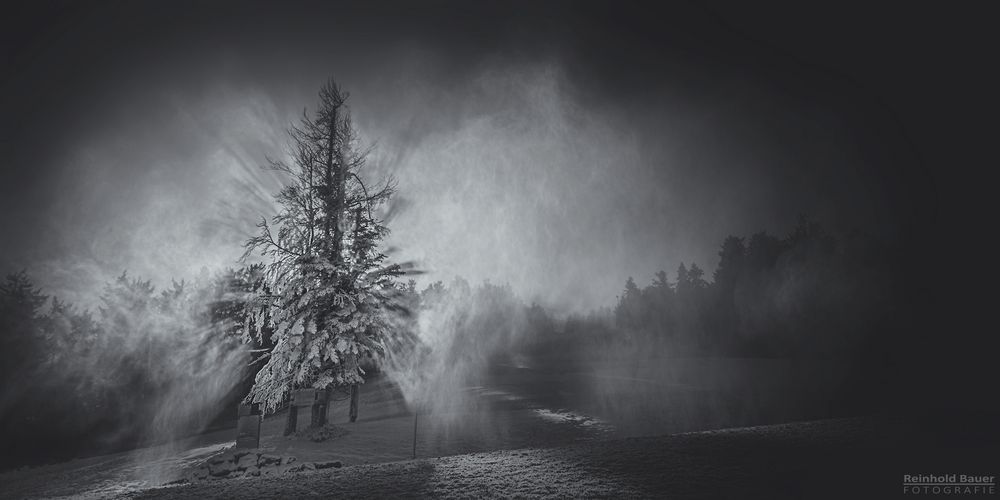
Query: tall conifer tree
325, 289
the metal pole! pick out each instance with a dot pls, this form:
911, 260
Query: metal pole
415, 413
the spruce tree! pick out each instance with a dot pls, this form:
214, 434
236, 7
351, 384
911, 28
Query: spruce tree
324, 293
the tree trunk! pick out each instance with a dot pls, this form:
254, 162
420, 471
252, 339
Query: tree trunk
319, 409
330, 196
355, 392
340, 179
293, 419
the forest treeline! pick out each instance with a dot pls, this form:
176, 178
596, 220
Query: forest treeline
810, 293
150, 362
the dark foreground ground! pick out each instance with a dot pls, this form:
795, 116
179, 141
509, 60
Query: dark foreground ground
784, 460
841, 458
545, 430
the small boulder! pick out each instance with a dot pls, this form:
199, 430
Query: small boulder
301, 467
268, 460
246, 461
200, 473
222, 470
287, 460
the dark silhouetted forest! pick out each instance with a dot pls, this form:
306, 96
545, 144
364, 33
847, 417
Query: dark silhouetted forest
809, 293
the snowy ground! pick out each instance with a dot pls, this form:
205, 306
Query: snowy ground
523, 431
108, 475
820, 459
489, 419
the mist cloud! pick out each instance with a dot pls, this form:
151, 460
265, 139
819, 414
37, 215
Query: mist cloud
545, 170
528, 189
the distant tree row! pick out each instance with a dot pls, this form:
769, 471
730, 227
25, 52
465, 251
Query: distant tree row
807, 293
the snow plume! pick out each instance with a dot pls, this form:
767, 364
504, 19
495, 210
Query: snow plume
514, 179
165, 198
454, 336
154, 366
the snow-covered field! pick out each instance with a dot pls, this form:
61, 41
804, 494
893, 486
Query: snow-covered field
487, 419
523, 432
793, 460
812, 459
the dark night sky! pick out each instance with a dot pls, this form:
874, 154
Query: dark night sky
559, 147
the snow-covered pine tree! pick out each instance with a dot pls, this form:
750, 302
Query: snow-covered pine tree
325, 289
